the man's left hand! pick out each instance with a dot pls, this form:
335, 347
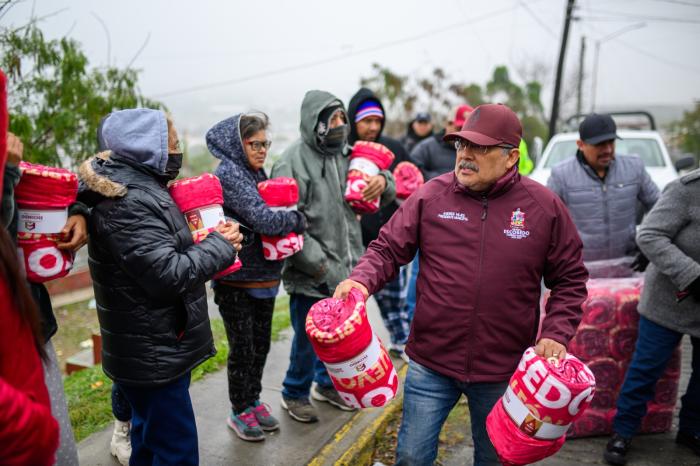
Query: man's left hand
375, 187
548, 348
75, 233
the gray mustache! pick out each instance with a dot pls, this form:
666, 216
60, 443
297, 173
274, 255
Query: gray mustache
470, 165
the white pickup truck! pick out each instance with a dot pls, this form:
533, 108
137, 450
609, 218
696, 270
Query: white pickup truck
647, 144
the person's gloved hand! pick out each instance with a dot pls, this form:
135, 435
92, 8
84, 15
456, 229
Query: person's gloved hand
640, 262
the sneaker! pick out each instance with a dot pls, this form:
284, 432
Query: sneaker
120, 446
616, 450
330, 395
691, 441
397, 351
246, 426
300, 409
265, 418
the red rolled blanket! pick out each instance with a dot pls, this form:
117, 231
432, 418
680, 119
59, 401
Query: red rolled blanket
280, 194
43, 196
200, 199
408, 179
366, 160
592, 422
357, 361
599, 308
622, 342
657, 420
607, 373
627, 296
543, 398
588, 343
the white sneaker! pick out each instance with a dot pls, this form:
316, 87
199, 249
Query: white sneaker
120, 446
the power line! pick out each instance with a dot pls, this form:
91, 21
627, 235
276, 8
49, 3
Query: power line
334, 58
537, 19
644, 17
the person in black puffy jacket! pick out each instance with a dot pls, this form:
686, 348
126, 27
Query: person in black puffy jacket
149, 277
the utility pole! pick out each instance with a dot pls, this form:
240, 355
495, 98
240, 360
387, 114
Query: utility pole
560, 69
582, 54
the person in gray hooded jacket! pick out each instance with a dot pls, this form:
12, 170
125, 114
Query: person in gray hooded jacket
602, 190
246, 298
149, 280
669, 308
332, 240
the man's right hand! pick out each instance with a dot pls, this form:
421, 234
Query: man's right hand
342, 290
15, 149
229, 230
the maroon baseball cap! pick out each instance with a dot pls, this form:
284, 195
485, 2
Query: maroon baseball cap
490, 125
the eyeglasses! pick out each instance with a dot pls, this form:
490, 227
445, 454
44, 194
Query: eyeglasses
461, 145
258, 145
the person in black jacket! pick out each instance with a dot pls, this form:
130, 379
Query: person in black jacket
367, 117
149, 277
246, 298
418, 129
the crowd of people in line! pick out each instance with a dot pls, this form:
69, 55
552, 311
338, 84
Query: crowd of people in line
456, 270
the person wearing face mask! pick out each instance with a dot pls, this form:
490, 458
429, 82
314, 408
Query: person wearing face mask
486, 238
149, 281
246, 298
332, 240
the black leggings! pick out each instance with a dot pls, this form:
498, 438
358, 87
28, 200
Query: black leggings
248, 323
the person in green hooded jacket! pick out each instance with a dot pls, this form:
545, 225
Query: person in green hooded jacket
332, 240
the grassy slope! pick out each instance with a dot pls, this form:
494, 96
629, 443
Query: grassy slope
89, 391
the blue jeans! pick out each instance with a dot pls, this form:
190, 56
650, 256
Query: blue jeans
163, 429
655, 346
304, 366
428, 399
411, 297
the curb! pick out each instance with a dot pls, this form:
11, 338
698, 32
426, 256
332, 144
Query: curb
353, 444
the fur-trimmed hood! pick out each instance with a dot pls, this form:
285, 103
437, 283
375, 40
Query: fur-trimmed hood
92, 176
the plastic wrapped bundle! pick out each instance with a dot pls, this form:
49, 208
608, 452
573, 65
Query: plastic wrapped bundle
622, 342
408, 179
657, 420
604, 399
620, 267
607, 373
543, 398
200, 199
357, 361
43, 196
592, 422
280, 194
627, 300
3, 126
666, 392
589, 342
367, 159
599, 309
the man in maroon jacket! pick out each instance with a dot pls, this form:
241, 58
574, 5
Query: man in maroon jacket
487, 238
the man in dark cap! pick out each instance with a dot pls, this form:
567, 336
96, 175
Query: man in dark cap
602, 190
487, 237
420, 128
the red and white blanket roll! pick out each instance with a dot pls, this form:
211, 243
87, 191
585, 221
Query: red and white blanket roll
280, 193
200, 199
542, 400
367, 159
43, 196
356, 359
408, 179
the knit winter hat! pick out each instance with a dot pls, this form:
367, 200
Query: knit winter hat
368, 108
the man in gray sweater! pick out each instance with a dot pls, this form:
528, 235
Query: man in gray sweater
669, 308
602, 190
